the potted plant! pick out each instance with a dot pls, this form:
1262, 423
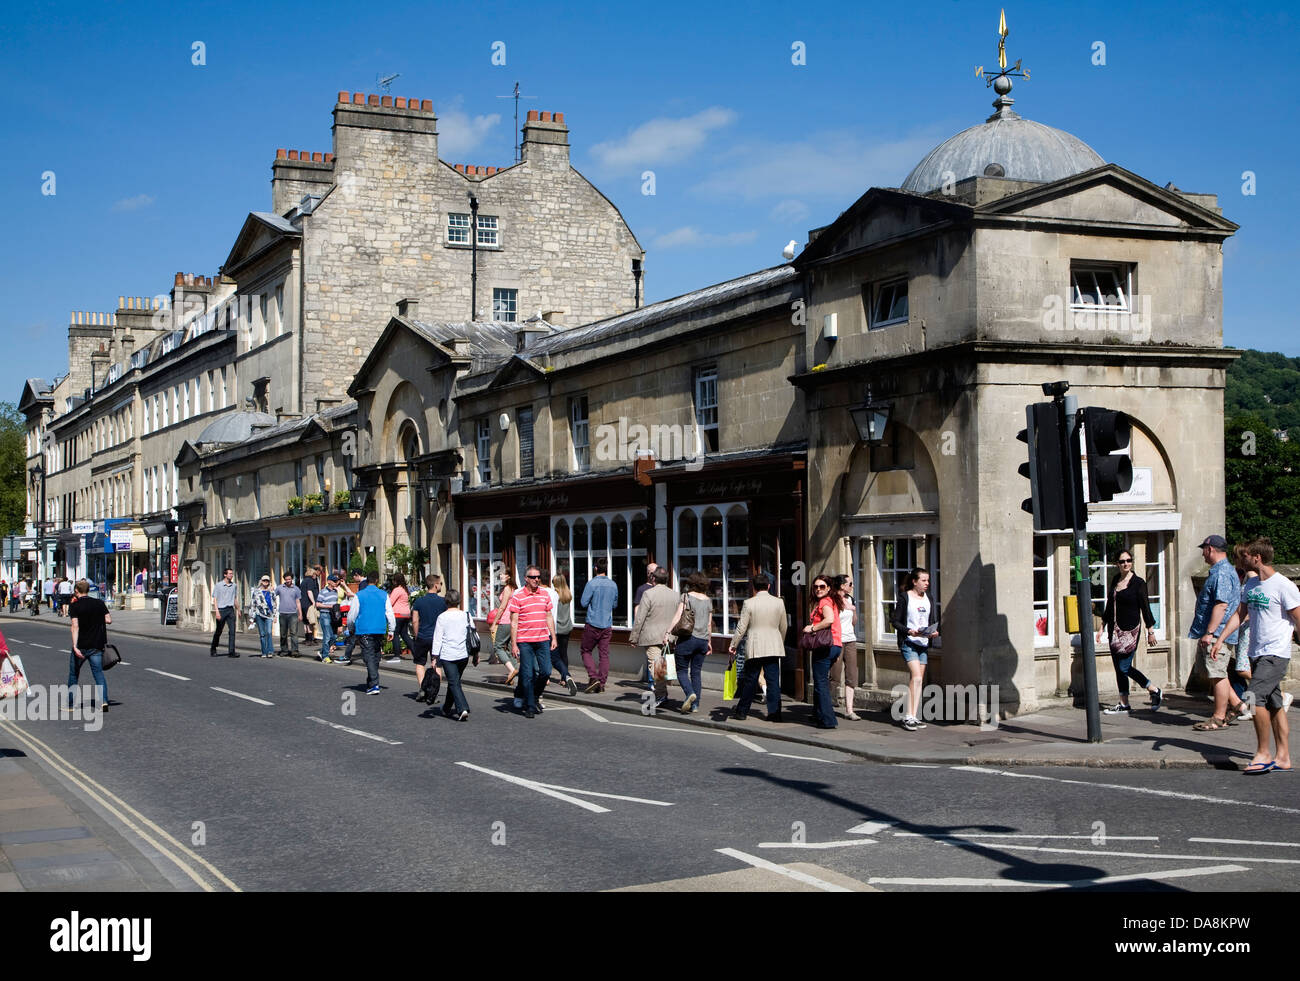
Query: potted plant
342, 499
295, 505
313, 502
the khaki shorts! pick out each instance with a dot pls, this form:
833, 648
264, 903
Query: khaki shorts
1217, 667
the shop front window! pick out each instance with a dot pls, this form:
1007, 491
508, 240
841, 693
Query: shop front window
715, 540
481, 548
619, 538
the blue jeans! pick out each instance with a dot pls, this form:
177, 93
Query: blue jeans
689, 655
264, 635
560, 656
96, 659
326, 632
771, 667
455, 694
1124, 670
534, 668
823, 709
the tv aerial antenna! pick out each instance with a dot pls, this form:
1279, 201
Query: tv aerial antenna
519, 155
384, 81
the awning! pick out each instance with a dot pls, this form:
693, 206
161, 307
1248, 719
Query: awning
156, 529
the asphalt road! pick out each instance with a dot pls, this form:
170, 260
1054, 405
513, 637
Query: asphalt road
282, 775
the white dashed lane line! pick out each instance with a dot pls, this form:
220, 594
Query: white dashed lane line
355, 732
167, 674
248, 698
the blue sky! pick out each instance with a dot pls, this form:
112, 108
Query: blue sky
157, 160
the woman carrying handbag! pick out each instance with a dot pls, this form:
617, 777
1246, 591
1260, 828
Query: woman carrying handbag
822, 638
1127, 608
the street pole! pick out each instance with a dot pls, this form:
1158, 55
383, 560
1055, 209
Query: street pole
1082, 578
473, 248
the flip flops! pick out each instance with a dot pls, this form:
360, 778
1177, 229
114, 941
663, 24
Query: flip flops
1269, 767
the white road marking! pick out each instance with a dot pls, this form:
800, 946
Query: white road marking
250, 698
1239, 841
818, 844
810, 759
46, 646
919, 766
762, 863
1108, 852
15, 640
591, 714
1040, 884
870, 827
167, 674
355, 732
1180, 795
972, 835
746, 743
556, 791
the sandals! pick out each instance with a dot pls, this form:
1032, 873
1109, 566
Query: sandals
510, 678
1211, 725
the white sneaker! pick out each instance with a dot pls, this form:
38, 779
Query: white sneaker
1287, 699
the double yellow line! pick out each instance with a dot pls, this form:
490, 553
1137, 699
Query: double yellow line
128, 816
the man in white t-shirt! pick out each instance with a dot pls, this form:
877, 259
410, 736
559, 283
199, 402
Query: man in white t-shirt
1271, 604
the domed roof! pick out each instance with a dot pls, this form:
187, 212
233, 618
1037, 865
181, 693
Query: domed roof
1004, 145
236, 427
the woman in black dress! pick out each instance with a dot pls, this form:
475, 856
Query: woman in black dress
1127, 608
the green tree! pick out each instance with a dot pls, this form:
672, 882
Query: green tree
13, 469
1262, 484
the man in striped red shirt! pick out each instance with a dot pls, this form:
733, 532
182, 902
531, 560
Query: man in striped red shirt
532, 626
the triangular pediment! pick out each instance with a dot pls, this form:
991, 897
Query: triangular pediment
380, 355
517, 368
34, 395
260, 233
880, 216
187, 454
1111, 195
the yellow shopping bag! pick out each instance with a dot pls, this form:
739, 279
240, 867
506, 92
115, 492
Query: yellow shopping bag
729, 682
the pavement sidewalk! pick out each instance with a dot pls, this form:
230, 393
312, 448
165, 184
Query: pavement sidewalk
1054, 736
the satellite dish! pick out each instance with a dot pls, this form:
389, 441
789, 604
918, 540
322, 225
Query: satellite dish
788, 251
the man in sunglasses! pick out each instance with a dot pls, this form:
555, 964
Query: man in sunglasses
532, 637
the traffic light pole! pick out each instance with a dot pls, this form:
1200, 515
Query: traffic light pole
1082, 578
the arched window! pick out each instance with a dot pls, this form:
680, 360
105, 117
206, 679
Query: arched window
715, 540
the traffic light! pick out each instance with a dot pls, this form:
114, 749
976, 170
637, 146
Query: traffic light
1049, 482
1106, 431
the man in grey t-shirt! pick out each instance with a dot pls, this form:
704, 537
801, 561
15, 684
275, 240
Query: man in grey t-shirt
1271, 605
289, 602
225, 607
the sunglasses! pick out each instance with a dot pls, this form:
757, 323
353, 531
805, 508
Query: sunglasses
1125, 561
821, 585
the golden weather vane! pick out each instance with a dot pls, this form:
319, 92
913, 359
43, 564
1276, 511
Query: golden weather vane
1004, 72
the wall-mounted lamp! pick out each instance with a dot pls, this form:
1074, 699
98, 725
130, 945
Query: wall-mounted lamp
831, 327
505, 421
871, 418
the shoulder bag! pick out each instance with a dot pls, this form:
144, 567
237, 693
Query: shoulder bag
685, 625
473, 643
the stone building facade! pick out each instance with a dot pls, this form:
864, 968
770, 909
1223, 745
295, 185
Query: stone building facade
282, 329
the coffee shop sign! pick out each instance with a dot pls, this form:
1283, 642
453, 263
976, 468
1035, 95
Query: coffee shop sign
729, 488
543, 502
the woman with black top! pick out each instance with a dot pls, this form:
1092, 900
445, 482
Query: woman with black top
1127, 608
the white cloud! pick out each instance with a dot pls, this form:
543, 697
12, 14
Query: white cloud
688, 236
661, 141
135, 203
460, 134
838, 165
789, 210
